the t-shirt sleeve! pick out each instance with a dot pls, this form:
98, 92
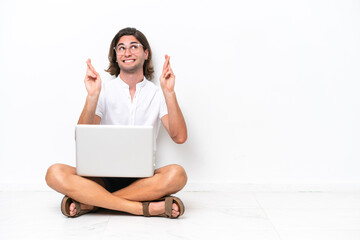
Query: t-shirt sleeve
163, 106
100, 108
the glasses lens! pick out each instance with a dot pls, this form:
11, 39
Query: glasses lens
133, 48
120, 49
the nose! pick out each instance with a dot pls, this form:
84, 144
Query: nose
127, 52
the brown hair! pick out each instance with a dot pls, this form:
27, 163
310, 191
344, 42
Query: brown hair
114, 69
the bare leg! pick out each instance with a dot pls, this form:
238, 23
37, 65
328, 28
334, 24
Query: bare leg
63, 179
167, 180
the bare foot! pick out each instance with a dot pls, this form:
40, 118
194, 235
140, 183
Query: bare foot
156, 208
72, 208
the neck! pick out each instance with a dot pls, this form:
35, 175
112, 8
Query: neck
131, 79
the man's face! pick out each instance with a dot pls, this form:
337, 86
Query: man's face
130, 54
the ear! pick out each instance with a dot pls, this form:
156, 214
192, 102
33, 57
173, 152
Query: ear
146, 54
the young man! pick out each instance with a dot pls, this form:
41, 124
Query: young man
127, 100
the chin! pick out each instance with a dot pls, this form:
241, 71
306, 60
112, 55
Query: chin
130, 69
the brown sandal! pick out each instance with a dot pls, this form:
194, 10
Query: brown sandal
169, 200
65, 207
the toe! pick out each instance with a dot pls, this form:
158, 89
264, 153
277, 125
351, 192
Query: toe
174, 214
72, 209
72, 206
175, 210
175, 207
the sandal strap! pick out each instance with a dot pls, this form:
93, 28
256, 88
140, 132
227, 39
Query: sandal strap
146, 209
168, 206
80, 211
169, 200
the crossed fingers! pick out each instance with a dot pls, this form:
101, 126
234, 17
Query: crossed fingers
167, 71
90, 69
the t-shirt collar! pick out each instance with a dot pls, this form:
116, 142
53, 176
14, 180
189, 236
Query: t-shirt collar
138, 85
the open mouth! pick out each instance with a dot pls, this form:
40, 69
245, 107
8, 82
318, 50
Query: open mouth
128, 60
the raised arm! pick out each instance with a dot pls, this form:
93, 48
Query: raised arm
93, 87
174, 121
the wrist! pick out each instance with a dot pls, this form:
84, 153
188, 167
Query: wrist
92, 98
168, 93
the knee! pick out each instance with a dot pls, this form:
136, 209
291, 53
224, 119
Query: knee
176, 178
55, 175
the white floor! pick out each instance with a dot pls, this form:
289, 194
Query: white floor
208, 215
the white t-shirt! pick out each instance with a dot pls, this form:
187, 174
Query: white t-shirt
147, 108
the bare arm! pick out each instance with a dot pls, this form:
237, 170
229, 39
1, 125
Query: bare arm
88, 115
174, 121
93, 87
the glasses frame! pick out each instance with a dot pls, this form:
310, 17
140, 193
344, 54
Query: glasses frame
127, 48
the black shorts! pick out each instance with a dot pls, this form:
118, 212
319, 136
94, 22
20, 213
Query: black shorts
113, 184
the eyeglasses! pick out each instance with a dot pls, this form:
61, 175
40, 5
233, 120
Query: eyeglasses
134, 48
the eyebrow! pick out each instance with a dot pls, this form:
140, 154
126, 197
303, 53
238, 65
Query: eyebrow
124, 44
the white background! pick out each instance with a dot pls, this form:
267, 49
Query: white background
269, 89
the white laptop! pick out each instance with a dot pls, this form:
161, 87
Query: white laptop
114, 151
